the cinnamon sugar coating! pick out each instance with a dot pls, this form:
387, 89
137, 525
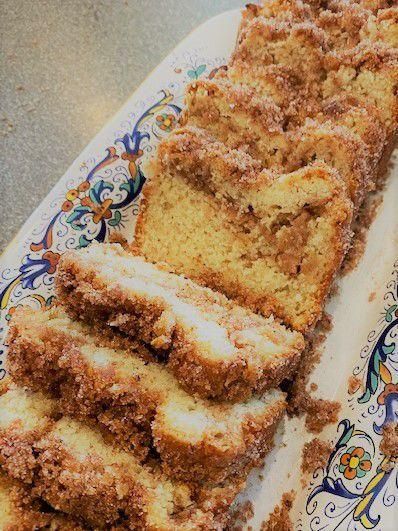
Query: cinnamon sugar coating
214, 347
20, 510
78, 472
140, 402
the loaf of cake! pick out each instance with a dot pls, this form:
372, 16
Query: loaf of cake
143, 398
273, 242
76, 470
140, 401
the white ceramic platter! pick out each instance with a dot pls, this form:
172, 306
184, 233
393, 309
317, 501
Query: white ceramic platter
99, 195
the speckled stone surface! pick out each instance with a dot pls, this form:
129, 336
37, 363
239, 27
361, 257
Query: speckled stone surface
66, 66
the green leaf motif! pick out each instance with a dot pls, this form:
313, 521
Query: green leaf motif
389, 313
388, 349
365, 398
126, 186
200, 70
83, 241
346, 436
114, 222
194, 74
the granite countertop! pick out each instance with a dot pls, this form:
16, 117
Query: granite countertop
66, 66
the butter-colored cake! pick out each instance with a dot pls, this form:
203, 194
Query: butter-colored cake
214, 347
196, 439
75, 470
274, 242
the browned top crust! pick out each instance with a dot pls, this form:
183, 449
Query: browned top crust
372, 56
263, 110
275, 30
290, 10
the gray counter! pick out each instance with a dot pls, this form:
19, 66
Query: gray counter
66, 66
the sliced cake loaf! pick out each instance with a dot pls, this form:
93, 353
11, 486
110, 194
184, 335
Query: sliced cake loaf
272, 242
130, 396
240, 126
75, 470
214, 347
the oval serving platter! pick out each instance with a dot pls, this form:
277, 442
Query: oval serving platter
99, 195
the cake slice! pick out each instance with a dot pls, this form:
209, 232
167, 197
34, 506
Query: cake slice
27, 413
214, 347
362, 118
273, 81
237, 122
276, 82
273, 242
75, 470
195, 439
369, 72
301, 47
237, 117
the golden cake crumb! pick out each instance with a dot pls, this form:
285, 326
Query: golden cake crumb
315, 455
354, 383
279, 519
240, 516
389, 442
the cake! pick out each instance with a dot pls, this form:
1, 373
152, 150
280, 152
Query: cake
272, 242
369, 72
140, 401
75, 470
300, 47
214, 347
245, 126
